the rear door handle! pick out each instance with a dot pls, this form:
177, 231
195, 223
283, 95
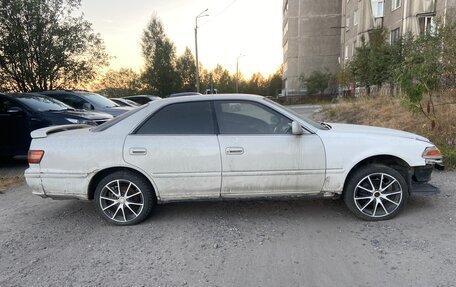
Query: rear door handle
138, 151
234, 150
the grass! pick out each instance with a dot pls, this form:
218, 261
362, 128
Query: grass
8, 182
391, 112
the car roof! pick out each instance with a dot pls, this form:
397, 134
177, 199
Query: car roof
238, 97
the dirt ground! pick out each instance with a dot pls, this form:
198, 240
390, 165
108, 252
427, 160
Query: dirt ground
251, 243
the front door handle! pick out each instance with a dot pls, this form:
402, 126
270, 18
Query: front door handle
138, 151
234, 150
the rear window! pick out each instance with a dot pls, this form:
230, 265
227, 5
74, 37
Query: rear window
181, 118
117, 119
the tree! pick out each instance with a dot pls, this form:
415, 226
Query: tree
317, 82
44, 46
274, 83
159, 53
119, 83
374, 61
186, 69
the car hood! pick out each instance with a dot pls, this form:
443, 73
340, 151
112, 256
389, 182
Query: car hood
88, 115
115, 111
369, 130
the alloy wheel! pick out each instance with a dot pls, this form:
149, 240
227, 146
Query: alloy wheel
378, 195
121, 200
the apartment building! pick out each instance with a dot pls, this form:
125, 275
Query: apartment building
310, 29
311, 40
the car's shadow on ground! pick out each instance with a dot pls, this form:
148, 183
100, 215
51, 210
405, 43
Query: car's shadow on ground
13, 167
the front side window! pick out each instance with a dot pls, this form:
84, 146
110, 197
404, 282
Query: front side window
181, 118
242, 117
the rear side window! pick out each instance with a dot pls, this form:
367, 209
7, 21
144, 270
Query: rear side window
181, 118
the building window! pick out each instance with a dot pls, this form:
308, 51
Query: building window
396, 4
355, 18
347, 49
426, 24
395, 35
285, 47
285, 28
285, 8
347, 24
285, 66
377, 8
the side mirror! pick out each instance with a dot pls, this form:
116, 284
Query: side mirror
296, 128
15, 111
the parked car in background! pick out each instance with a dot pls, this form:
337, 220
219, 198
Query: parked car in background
142, 99
184, 94
20, 114
88, 101
228, 147
124, 102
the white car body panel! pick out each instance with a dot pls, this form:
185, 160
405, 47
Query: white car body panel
181, 166
317, 162
272, 165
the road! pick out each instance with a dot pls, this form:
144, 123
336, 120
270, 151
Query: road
249, 243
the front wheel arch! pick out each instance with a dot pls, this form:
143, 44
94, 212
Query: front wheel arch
394, 162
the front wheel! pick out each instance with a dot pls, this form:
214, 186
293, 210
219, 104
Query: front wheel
376, 192
124, 198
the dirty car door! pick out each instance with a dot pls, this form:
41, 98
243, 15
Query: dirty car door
178, 147
260, 156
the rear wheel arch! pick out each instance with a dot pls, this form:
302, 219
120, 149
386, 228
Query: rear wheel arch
104, 172
394, 162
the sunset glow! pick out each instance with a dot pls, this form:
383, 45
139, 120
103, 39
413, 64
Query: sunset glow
248, 27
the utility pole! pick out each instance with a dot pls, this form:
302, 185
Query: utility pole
196, 48
237, 73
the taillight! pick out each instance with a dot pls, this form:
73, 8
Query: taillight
432, 152
35, 156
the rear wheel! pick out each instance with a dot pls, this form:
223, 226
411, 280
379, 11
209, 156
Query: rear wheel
376, 192
124, 198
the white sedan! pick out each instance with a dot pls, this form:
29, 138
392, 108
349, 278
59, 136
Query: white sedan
227, 147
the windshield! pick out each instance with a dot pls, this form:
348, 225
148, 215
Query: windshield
43, 103
98, 100
304, 118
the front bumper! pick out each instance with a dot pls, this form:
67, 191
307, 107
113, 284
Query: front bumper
419, 178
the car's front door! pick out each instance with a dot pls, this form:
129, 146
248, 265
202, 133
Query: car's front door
178, 147
260, 156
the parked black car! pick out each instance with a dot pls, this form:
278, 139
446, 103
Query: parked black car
20, 114
84, 100
142, 99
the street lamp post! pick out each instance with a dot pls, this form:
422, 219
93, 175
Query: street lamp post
237, 73
196, 48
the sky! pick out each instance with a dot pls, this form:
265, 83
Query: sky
250, 28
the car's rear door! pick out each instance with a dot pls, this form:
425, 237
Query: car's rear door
178, 147
260, 156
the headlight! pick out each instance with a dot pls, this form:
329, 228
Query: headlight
432, 152
432, 155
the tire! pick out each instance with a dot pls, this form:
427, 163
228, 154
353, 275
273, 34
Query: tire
131, 205
376, 192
